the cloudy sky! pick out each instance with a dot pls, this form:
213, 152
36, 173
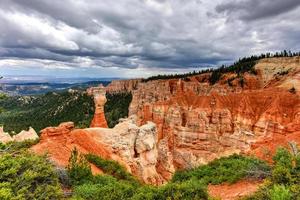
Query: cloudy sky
134, 38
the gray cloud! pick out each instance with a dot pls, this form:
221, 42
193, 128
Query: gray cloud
149, 36
256, 9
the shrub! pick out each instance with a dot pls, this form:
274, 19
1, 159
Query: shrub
147, 193
79, 169
110, 191
119, 184
280, 192
228, 169
16, 146
281, 175
27, 176
189, 190
284, 182
283, 158
111, 167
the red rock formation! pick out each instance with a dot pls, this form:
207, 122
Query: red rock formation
100, 100
198, 122
123, 85
133, 147
195, 121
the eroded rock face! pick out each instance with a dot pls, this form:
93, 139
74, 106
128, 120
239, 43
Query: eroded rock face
132, 146
99, 100
4, 137
26, 135
123, 85
195, 129
20, 137
195, 122
198, 122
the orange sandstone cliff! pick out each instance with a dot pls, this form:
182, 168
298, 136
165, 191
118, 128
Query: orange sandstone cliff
195, 122
123, 85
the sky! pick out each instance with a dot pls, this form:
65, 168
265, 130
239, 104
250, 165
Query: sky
139, 38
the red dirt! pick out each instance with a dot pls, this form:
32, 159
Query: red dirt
233, 191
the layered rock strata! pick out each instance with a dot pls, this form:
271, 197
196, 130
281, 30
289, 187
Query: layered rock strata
123, 85
195, 122
198, 122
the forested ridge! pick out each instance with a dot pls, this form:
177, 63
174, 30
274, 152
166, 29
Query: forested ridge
40, 111
245, 64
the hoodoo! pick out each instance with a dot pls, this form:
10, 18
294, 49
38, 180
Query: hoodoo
100, 100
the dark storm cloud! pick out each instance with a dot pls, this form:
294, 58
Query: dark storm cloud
257, 9
143, 35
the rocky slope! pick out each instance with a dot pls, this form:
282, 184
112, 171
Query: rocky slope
132, 146
195, 122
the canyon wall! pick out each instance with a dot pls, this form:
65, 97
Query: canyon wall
123, 85
183, 123
198, 122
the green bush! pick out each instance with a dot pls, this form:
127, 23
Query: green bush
283, 158
228, 169
111, 191
188, 190
147, 193
119, 184
16, 146
284, 182
281, 175
110, 167
104, 187
79, 170
27, 176
280, 192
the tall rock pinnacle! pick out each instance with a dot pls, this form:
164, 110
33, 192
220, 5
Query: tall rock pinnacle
100, 100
